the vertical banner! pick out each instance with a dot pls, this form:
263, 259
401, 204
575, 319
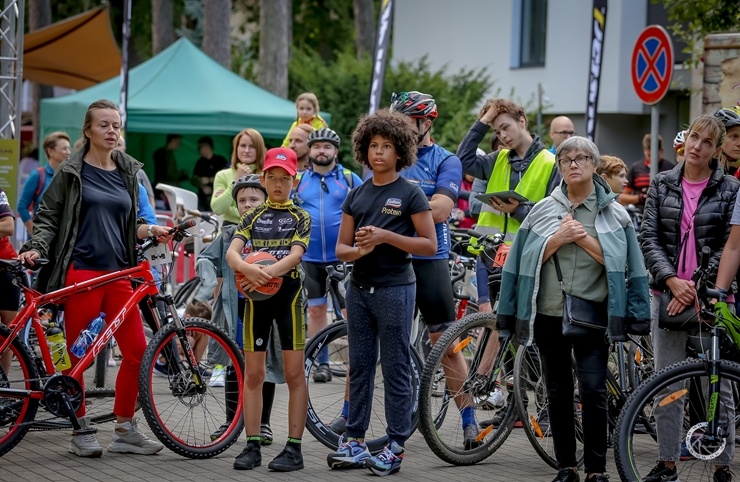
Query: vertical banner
594, 77
9, 159
124, 63
380, 58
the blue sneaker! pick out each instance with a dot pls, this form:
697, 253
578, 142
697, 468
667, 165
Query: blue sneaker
349, 455
386, 462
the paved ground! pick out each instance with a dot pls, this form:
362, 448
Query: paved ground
43, 456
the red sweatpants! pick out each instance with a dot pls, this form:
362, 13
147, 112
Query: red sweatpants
80, 309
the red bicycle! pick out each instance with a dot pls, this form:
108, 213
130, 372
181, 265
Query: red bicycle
180, 404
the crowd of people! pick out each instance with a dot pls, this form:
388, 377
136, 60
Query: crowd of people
573, 248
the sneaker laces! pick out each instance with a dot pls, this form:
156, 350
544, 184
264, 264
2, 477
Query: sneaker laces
386, 455
135, 430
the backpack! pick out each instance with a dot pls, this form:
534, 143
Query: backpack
348, 178
39, 187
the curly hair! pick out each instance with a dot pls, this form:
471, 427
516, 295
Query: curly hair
392, 126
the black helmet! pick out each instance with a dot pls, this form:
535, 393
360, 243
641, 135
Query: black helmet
730, 117
250, 180
414, 104
324, 134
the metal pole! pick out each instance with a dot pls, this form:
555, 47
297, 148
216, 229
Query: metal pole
539, 109
654, 127
124, 63
11, 68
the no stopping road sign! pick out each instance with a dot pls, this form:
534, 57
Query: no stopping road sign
652, 64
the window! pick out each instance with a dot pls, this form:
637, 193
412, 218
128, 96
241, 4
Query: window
533, 33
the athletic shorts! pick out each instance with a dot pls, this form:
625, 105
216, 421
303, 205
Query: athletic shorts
434, 296
11, 297
286, 308
315, 284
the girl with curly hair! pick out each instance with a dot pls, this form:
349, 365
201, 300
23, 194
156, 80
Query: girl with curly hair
384, 220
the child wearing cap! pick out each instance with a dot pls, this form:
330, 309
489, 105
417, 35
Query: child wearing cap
281, 229
218, 278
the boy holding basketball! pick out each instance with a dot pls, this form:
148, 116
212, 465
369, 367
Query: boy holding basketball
384, 222
282, 229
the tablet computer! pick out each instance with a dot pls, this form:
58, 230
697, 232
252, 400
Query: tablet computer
503, 195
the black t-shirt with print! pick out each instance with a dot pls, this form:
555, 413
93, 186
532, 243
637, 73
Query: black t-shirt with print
388, 207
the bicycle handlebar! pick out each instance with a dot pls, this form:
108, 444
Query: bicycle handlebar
204, 216
178, 232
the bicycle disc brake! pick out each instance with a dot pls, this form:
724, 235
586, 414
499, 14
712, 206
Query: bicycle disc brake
702, 446
58, 391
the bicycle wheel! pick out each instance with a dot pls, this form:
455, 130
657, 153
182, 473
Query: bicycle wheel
669, 391
325, 400
530, 396
185, 292
16, 414
183, 416
441, 424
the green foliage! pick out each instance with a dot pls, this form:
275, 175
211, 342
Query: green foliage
693, 20
343, 88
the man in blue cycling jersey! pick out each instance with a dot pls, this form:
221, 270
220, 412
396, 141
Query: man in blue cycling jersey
321, 191
439, 174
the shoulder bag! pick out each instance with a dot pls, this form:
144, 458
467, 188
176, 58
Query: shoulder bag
581, 318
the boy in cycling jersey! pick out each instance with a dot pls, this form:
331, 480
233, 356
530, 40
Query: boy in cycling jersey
282, 229
384, 221
217, 277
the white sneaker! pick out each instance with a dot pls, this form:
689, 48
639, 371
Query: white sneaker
128, 439
85, 445
218, 377
497, 398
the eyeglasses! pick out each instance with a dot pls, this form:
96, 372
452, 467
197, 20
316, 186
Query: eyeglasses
579, 161
565, 133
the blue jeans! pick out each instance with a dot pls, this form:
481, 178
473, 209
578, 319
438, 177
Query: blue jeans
556, 355
380, 318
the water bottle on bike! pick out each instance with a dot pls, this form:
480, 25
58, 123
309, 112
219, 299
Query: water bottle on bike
88, 335
58, 347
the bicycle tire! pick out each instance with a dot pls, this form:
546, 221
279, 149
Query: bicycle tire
632, 441
528, 375
185, 292
325, 404
17, 414
445, 437
162, 399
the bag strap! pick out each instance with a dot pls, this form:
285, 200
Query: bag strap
557, 270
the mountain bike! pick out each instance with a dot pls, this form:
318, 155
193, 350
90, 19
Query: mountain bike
704, 424
33, 380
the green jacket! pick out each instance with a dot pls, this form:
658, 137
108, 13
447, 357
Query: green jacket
56, 223
628, 299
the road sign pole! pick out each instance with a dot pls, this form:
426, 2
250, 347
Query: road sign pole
654, 133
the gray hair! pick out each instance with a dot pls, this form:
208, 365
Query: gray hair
578, 143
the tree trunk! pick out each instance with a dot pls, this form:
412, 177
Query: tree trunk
217, 32
39, 16
276, 25
163, 25
364, 27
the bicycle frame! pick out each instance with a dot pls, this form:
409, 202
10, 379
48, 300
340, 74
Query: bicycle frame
34, 299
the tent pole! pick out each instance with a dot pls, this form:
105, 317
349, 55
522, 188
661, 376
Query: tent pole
124, 63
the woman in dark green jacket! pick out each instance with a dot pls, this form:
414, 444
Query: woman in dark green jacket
86, 226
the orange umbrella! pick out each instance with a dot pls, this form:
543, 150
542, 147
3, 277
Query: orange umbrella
75, 53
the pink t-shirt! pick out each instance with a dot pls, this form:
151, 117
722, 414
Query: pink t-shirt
687, 259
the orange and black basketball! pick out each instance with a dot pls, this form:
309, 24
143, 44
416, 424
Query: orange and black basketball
268, 289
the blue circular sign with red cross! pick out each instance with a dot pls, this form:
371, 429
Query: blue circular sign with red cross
652, 64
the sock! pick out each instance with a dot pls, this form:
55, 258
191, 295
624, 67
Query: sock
255, 440
356, 439
268, 397
468, 416
323, 357
345, 410
295, 443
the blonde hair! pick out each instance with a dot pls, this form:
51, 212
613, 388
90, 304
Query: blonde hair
87, 123
257, 141
311, 98
611, 165
713, 124
50, 141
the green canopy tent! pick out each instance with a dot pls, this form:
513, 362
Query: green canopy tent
180, 91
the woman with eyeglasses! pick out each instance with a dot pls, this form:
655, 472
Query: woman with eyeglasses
688, 208
577, 243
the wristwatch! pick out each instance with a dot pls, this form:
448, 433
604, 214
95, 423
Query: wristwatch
149, 232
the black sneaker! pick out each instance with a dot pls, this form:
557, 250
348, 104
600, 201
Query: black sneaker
497, 419
661, 473
567, 475
250, 458
338, 425
470, 433
598, 478
322, 374
288, 460
723, 474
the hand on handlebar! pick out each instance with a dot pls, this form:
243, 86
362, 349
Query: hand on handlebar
28, 257
163, 234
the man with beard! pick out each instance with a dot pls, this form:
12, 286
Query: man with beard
321, 191
297, 141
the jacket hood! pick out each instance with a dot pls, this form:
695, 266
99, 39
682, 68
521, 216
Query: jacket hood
604, 194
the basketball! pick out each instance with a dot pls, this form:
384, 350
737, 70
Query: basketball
268, 289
